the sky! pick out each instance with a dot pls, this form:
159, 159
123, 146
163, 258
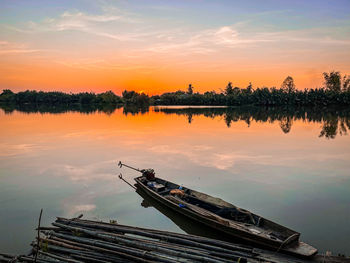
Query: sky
156, 46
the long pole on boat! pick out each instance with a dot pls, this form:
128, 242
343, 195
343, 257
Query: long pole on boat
120, 164
121, 177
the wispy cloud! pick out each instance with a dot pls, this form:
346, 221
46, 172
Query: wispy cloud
99, 171
112, 34
105, 64
237, 36
17, 51
203, 155
15, 48
8, 150
80, 21
75, 209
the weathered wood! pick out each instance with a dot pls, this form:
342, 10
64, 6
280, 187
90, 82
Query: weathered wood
76, 240
63, 244
163, 237
38, 231
64, 259
130, 253
139, 245
204, 240
260, 235
92, 259
87, 254
144, 246
198, 210
90, 249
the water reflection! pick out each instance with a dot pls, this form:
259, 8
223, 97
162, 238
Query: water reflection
134, 110
59, 108
66, 164
333, 126
334, 121
286, 124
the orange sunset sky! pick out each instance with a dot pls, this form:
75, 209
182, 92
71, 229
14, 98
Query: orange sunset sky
156, 46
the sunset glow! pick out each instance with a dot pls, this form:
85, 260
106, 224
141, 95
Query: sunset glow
158, 46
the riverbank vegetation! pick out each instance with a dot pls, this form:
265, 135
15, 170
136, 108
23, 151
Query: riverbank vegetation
336, 91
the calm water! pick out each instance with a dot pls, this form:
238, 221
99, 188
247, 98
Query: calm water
291, 167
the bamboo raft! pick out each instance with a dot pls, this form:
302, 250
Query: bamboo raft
77, 240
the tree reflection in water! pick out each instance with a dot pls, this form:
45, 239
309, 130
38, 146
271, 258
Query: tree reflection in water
334, 121
333, 126
286, 124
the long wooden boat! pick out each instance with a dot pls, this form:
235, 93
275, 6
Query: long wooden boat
225, 217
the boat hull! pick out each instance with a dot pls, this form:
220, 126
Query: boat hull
297, 248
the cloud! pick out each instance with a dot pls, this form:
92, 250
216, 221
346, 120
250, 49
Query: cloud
80, 16
74, 209
145, 37
80, 21
241, 35
4, 43
104, 64
85, 174
91, 172
203, 155
17, 51
15, 48
205, 41
226, 159
228, 36
8, 150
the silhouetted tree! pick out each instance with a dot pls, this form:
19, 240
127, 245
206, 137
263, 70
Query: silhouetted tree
337, 93
346, 84
332, 80
250, 88
7, 96
288, 85
128, 95
108, 97
190, 89
229, 89
134, 98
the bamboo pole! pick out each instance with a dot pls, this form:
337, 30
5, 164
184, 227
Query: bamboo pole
166, 238
65, 259
122, 248
144, 246
181, 248
138, 256
204, 240
36, 254
88, 248
72, 253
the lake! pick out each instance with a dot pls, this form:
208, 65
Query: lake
291, 166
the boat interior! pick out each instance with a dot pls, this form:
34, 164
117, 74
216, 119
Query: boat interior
220, 211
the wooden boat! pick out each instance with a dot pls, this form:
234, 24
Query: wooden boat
225, 217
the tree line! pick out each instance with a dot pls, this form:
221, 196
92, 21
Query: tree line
336, 91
